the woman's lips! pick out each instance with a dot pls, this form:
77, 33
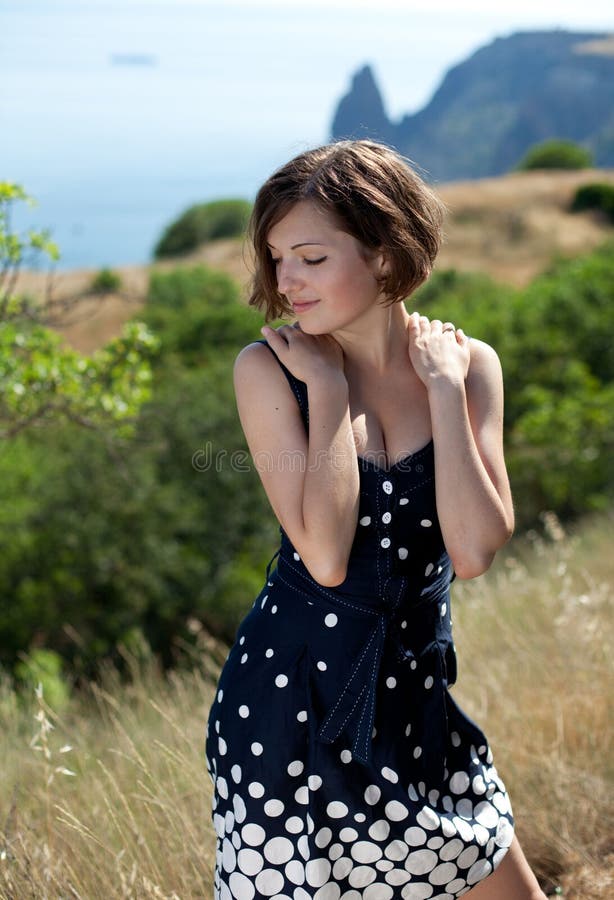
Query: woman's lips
303, 307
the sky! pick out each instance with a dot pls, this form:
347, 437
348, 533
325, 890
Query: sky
238, 87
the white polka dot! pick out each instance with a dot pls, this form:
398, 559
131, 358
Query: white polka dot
257, 748
222, 787
220, 695
403, 501
448, 827
478, 871
346, 756
236, 774
417, 892
421, 861
240, 810
365, 852
342, 868
273, 609
348, 835
415, 837
279, 850
301, 795
443, 873
360, 817
269, 653
302, 715
244, 711
451, 850
336, 809
229, 856
296, 556
366, 520
317, 872
242, 641
426, 523
433, 797
397, 877
269, 882
314, 782
505, 834
295, 767
468, 857
501, 801
253, 834
255, 789
250, 861
300, 894
455, 738
429, 569
281, 681
482, 835
331, 620
395, 811
386, 518
241, 887
464, 808
428, 819
330, 891
417, 752
428, 682
303, 846
378, 892
322, 665
390, 774
295, 871
361, 876
453, 887
459, 782
435, 843
396, 850
222, 746
404, 623
391, 682
335, 851
444, 609
264, 600
464, 829
244, 658
486, 814
323, 837
273, 808
408, 729
412, 793
403, 552
387, 487
294, 825
372, 794
229, 821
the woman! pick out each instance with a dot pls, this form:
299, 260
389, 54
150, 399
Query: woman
342, 766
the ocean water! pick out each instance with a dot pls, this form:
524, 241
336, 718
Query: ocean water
118, 115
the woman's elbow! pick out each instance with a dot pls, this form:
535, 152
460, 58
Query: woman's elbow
472, 564
327, 572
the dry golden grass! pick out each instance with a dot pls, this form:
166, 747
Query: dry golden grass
534, 638
509, 227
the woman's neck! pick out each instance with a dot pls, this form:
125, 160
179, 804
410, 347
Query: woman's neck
377, 341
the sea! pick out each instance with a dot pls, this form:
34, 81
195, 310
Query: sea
117, 116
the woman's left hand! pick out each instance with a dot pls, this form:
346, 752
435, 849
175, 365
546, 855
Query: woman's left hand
437, 350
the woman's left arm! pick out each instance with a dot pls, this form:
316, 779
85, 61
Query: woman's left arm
474, 501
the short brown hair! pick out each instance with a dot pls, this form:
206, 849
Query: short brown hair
374, 195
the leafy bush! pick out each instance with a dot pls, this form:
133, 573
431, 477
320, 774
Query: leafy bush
106, 281
596, 196
556, 154
201, 223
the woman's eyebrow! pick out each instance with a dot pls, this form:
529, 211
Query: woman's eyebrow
302, 244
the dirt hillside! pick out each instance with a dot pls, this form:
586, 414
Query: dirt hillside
509, 227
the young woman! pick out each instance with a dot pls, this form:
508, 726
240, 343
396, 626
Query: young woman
342, 766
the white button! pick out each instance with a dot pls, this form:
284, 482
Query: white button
385, 543
387, 487
386, 518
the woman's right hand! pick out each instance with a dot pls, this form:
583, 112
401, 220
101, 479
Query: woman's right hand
308, 356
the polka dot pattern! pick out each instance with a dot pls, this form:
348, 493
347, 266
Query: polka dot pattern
373, 813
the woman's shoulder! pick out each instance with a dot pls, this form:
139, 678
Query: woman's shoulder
482, 357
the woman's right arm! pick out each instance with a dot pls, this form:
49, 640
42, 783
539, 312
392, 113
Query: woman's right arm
312, 483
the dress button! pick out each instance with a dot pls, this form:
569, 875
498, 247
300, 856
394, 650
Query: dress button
386, 518
387, 487
385, 542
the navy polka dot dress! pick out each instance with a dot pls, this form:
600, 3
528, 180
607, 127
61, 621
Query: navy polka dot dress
342, 767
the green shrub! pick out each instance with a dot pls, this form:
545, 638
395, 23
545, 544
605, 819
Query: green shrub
596, 196
44, 667
556, 154
201, 223
106, 281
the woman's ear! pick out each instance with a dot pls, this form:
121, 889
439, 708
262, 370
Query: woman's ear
381, 265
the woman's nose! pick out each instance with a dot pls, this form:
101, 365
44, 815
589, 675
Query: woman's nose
287, 276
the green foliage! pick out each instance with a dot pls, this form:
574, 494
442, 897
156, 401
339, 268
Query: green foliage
556, 154
202, 223
45, 668
106, 281
598, 197
41, 380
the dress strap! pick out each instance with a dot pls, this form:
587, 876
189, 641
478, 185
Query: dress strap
299, 388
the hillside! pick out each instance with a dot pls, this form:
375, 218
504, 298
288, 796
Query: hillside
509, 227
511, 94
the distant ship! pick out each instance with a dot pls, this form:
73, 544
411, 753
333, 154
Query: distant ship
133, 59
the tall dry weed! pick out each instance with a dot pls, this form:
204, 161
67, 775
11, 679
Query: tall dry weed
112, 799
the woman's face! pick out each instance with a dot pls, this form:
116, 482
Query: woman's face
325, 274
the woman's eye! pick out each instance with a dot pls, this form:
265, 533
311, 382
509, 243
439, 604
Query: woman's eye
315, 262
